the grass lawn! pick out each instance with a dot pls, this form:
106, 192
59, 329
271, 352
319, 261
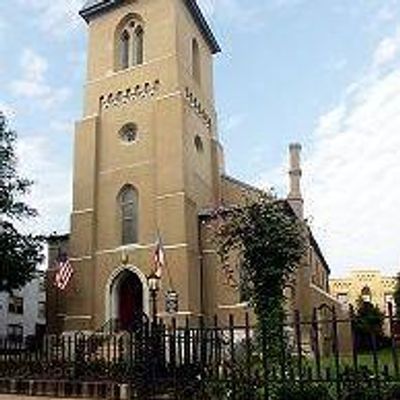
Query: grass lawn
385, 361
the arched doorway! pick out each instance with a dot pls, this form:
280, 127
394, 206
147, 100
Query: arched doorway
130, 300
127, 297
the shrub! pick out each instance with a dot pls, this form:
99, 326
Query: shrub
307, 392
393, 393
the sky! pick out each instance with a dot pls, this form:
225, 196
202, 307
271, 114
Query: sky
325, 73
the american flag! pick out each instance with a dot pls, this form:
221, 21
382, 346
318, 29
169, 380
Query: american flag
159, 256
64, 272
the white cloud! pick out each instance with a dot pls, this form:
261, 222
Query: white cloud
387, 50
51, 191
7, 110
352, 173
33, 82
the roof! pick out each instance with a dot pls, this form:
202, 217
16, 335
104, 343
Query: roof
313, 241
244, 185
55, 238
317, 249
93, 8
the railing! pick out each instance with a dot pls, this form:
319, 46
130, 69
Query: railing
219, 360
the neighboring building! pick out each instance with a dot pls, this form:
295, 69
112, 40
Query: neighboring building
369, 285
148, 159
23, 313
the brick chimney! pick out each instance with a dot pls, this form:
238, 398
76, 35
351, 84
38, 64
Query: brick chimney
295, 198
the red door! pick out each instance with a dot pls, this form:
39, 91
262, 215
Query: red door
130, 305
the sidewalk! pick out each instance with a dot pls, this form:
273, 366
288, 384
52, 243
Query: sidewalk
19, 397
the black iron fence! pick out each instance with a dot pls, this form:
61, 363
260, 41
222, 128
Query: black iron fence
323, 357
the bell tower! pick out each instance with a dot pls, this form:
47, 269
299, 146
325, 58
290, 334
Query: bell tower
146, 157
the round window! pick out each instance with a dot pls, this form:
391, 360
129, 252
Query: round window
128, 133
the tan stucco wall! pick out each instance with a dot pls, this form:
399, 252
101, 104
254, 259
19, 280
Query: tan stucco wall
381, 287
174, 180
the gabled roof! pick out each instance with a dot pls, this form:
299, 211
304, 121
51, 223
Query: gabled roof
93, 8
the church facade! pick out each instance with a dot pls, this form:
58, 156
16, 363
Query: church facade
365, 284
147, 160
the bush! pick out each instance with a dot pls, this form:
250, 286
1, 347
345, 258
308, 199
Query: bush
307, 392
393, 393
363, 394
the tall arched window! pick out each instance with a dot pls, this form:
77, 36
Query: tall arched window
196, 62
124, 50
366, 294
128, 203
137, 56
130, 43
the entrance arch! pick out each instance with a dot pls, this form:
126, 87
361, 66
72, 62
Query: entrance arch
127, 296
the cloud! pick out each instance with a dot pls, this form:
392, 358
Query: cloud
244, 15
7, 110
33, 82
58, 17
352, 170
387, 50
51, 191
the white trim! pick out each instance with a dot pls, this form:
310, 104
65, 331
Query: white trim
237, 305
209, 251
112, 73
110, 300
130, 166
78, 259
176, 246
89, 117
133, 247
130, 247
178, 314
69, 317
169, 195
328, 295
85, 211
167, 96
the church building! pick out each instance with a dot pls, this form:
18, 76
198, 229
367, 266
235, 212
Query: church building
148, 162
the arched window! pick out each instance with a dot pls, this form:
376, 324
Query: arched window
130, 42
137, 56
124, 49
128, 202
196, 64
198, 144
366, 294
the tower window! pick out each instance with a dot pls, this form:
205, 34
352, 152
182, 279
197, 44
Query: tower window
131, 45
124, 50
196, 62
128, 203
137, 51
128, 133
198, 144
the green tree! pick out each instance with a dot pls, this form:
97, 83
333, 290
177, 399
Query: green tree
19, 253
270, 241
368, 325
